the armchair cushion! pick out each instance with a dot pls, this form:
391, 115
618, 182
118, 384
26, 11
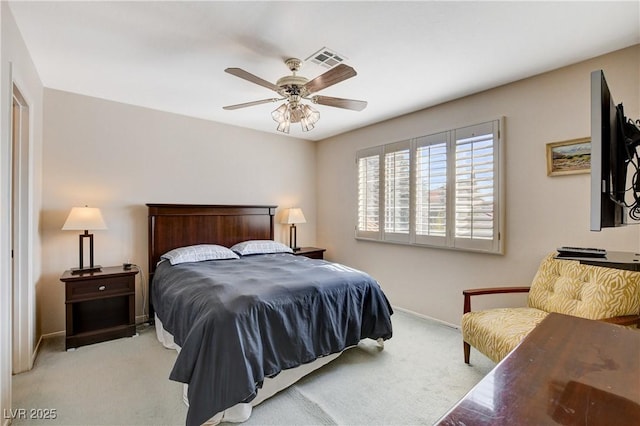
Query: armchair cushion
592, 292
495, 332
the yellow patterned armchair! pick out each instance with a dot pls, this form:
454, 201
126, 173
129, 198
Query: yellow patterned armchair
562, 286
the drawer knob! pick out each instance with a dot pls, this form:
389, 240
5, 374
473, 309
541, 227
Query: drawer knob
102, 288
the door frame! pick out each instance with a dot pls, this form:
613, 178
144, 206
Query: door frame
22, 288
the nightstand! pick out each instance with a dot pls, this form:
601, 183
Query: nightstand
100, 305
312, 252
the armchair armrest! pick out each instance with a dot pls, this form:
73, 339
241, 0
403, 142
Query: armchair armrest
490, 290
625, 320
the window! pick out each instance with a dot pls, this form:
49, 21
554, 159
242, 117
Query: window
397, 205
431, 189
439, 190
369, 194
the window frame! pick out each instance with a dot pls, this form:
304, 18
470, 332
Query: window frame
495, 244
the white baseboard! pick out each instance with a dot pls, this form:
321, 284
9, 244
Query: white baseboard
35, 352
34, 355
408, 311
54, 334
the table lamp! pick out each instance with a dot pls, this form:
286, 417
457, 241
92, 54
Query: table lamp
291, 217
84, 219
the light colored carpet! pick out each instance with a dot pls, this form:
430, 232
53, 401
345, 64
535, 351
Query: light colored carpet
418, 376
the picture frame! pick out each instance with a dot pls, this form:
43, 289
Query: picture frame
569, 157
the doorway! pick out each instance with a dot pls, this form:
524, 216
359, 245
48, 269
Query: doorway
22, 300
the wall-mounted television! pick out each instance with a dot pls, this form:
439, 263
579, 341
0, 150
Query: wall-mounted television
614, 142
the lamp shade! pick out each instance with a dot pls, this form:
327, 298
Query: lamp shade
84, 218
293, 215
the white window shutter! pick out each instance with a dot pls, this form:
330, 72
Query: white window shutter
368, 221
397, 191
431, 189
475, 187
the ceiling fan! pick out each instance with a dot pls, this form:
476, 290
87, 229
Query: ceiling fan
293, 89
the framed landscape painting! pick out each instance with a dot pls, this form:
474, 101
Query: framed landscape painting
569, 157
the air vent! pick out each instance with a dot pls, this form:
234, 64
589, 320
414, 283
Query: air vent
326, 58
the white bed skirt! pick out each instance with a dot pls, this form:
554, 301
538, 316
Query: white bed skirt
242, 411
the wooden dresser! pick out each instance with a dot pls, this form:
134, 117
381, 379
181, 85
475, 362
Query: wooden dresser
567, 371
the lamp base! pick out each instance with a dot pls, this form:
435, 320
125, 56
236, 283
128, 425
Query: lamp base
78, 271
295, 248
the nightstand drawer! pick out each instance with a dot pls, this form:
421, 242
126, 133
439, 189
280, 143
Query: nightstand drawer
100, 287
311, 252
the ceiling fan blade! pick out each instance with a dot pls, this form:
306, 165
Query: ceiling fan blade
248, 104
340, 102
239, 72
331, 77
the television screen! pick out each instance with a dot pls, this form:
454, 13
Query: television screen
607, 176
615, 195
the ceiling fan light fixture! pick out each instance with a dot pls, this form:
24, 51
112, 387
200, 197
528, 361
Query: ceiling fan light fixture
280, 114
283, 126
309, 117
310, 114
306, 125
295, 112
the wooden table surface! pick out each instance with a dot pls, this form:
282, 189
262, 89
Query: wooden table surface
567, 371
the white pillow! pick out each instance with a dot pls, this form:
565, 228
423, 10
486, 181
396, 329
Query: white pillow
260, 247
198, 253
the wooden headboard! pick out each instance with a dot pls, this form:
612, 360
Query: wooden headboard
178, 225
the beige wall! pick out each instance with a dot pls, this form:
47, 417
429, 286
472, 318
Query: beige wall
118, 157
542, 213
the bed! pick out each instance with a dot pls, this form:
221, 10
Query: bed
246, 327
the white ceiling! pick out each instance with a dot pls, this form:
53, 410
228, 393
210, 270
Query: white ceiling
171, 56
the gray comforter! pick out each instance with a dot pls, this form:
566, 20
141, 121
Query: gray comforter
239, 321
